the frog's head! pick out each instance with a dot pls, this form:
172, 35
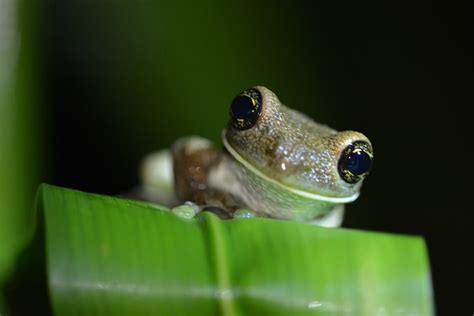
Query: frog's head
289, 148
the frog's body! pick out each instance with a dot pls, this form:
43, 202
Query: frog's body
277, 162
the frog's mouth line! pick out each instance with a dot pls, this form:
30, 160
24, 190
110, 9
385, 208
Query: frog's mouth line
314, 196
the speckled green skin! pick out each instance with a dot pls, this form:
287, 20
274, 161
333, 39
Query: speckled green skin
268, 199
291, 148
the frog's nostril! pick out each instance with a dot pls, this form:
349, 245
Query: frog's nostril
355, 161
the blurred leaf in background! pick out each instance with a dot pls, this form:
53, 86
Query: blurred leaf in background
20, 128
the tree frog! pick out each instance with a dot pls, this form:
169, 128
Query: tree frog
276, 162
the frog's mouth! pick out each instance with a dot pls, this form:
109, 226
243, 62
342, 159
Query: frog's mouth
302, 193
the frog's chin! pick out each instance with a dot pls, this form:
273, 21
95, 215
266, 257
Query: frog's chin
306, 194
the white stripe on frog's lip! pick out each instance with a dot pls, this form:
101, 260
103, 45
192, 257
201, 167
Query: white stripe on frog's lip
314, 196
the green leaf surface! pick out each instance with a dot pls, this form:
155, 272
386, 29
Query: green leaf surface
107, 255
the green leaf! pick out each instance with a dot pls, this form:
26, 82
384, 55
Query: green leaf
108, 255
20, 129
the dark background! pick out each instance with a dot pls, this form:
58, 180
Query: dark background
123, 78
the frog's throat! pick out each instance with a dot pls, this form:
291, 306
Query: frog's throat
314, 196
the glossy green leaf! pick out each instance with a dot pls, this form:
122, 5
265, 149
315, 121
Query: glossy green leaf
107, 255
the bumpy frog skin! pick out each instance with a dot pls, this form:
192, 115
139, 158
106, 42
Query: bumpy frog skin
277, 162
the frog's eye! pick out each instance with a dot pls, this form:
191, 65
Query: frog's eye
355, 161
245, 109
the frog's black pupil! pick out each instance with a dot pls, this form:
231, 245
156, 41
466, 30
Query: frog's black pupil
243, 112
357, 162
242, 108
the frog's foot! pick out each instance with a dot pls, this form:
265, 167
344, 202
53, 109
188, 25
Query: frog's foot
244, 213
186, 210
331, 219
190, 209
222, 213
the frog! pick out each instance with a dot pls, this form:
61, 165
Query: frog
275, 162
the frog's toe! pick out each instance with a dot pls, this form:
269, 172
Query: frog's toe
244, 213
187, 210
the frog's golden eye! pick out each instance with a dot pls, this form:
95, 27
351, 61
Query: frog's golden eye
245, 109
355, 161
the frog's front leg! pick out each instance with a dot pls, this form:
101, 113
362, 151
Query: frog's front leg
194, 159
180, 176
